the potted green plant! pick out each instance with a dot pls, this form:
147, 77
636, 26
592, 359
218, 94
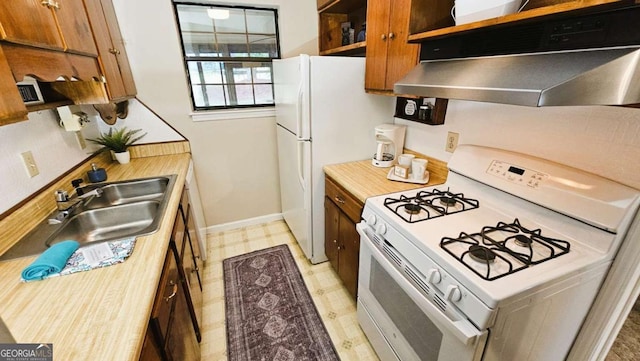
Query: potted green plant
118, 140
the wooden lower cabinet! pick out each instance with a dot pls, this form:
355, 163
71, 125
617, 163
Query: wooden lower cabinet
174, 326
150, 351
192, 265
182, 343
170, 334
342, 241
190, 261
170, 326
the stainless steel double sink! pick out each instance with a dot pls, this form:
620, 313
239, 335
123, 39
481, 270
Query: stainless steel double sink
123, 209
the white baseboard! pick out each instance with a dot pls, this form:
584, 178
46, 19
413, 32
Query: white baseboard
244, 223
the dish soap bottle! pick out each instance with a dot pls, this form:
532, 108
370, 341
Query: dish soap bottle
96, 175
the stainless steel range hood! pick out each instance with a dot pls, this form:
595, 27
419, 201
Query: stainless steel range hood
567, 59
584, 77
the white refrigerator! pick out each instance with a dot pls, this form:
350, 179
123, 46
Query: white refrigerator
323, 117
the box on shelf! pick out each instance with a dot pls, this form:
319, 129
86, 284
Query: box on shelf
348, 33
468, 11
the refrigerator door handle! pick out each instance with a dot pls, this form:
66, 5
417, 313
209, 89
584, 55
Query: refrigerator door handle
299, 150
299, 114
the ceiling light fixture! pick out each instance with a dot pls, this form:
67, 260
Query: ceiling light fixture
218, 14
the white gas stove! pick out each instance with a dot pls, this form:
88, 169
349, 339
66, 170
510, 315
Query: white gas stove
502, 261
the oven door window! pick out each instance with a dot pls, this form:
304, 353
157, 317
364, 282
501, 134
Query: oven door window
417, 329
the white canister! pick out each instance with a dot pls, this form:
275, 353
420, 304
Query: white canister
405, 160
418, 168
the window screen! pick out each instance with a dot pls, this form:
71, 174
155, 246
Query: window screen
228, 53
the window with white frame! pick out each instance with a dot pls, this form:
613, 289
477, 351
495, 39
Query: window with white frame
228, 53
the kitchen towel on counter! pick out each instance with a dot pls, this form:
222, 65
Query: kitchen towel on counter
51, 261
87, 258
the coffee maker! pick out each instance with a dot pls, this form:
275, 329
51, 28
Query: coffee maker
390, 142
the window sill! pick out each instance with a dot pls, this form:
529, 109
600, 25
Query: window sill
233, 114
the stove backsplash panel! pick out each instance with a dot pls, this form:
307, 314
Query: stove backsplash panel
598, 139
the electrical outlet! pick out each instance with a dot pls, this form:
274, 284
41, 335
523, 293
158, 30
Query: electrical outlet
81, 141
30, 164
452, 142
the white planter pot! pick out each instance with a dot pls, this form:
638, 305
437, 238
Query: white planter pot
123, 158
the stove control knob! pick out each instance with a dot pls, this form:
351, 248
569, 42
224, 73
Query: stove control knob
434, 276
372, 220
453, 294
382, 229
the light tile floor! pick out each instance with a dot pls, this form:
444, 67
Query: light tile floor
335, 306
626, 347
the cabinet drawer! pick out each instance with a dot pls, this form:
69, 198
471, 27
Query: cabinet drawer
343, 199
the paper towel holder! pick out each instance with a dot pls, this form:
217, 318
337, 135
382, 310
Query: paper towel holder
71, 118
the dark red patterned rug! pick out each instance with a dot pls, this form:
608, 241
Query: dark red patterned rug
269, 311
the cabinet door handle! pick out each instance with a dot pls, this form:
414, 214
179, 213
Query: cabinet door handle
335, 241
114, 51
51, 4
383, 37
392, 35
339, 199
173, 294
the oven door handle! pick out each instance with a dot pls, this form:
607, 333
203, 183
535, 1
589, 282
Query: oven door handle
462, 329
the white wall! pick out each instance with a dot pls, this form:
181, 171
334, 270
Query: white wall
598, 139
235, 160
140, 117
55, 151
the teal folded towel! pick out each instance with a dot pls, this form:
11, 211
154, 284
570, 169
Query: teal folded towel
50, 261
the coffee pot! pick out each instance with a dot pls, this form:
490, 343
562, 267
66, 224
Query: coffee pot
390, 143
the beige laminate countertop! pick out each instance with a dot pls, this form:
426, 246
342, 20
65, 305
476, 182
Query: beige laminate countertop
363, 180
100, 314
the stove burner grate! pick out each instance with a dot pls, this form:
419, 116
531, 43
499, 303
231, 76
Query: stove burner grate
435, 203
493, 247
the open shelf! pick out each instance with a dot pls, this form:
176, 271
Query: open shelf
341, 6
356, 49
439, 23
332, 14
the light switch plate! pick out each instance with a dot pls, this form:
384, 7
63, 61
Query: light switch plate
80, 138
30, 164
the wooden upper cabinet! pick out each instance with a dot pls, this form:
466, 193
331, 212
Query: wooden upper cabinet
12, 108
112, 54
389, 56
57, 25
378, 14
74, 27
42, 30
